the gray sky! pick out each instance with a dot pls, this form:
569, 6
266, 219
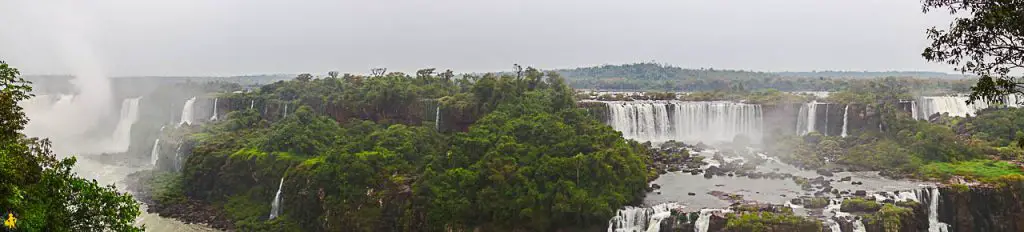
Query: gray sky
232, 37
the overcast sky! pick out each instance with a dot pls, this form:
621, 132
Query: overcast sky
233, 37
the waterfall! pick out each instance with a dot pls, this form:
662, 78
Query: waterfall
637, 219
437, 118
275, 207
155, 154
846, 119
122, 137
833, 225
826, 120
956, 106
808, 118
934, 225
704, 219
186, 112
252, 103
214, 118
1011, 100
913, 110
659, 121
285, 110
858, 225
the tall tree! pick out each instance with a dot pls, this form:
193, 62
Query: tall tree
986, 39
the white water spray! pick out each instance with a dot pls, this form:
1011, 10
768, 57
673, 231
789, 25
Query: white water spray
437, 118
846, 120
275, 206
252, 103
187, 112
122, 137
285, 110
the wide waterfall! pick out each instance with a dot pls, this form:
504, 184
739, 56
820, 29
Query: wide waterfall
954, 105
275, 206
187, 114
808, 118
214, 117
846, 119
155, 154
659, 121
636, 219
122, 137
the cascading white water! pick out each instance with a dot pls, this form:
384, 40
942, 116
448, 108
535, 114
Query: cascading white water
858, 225
155, 154
1011, 100
637, 219
122, 137
934, 225
187, 114
846, 119
285, 110
214, 117
704, 219
252, 103
913, 110
808, 118
659, 121
437, 118
833, 225
275, 206
954, 105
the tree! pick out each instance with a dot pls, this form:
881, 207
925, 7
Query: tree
988, 42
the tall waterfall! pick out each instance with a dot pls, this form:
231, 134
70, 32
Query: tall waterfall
932, 196
155, 154
252, 103
214, 117
187, 114
122, 137
636, 219
275, 206
954, 105
285, 110
1012, 100
805, 123
437, 118
846, 120
659, 121
913, 110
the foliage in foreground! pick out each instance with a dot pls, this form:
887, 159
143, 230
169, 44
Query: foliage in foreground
41, 191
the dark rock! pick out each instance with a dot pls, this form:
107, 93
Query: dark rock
824, 172
848, 178
691, 194
860, 193
655, 186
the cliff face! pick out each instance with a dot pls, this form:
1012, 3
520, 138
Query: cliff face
983, 208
